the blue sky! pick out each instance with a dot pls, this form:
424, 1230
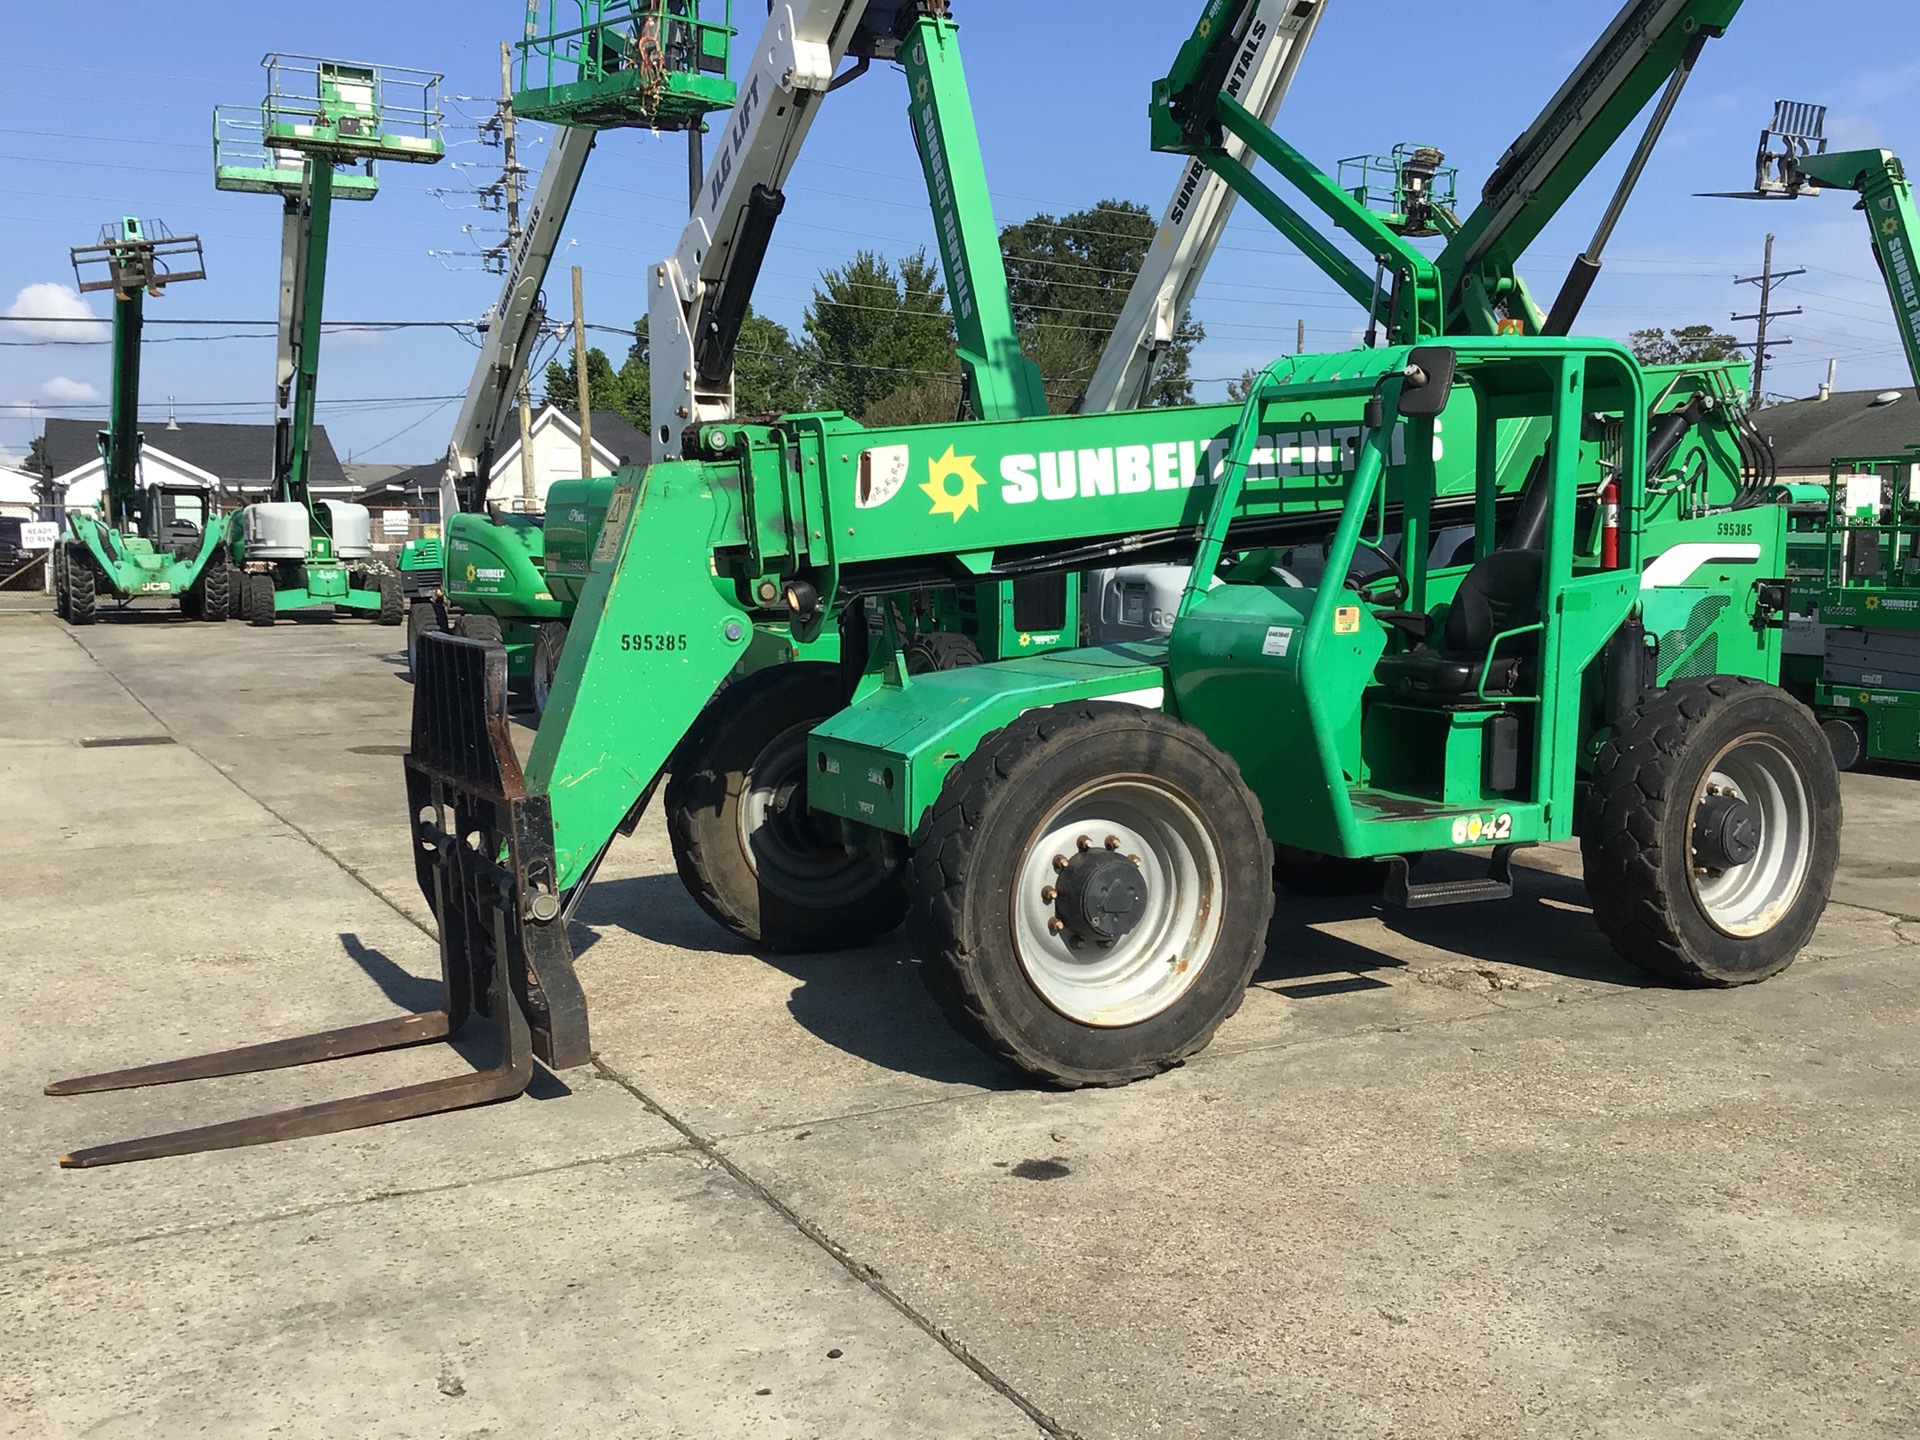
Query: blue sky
116, 120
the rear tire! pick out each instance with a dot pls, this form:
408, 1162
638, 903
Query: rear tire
422, 619
260, 593
1663, 870
548, 642
1036, 827
83, 600
478, 627
393, 604
745, 845
931, 653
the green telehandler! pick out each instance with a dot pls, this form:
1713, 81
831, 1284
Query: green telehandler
1083, 843
320, 117
1859, 665
142, 542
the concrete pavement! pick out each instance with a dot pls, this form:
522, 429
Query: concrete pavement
1446, 1174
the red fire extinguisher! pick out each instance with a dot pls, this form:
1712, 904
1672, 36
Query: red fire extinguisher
1610, 524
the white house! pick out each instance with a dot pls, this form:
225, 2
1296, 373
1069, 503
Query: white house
17, 500
238, 459
555, 445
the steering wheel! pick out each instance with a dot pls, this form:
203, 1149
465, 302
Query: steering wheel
1398, 587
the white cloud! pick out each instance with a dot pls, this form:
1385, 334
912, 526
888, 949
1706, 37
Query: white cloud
59, 304
62, 391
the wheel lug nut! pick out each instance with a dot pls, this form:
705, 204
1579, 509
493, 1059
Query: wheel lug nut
1048, 894
1113, 842
1084, 843
1135, 859
1074, 942
1060, 862
1056, 925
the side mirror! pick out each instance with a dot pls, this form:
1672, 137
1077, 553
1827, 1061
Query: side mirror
1429, 381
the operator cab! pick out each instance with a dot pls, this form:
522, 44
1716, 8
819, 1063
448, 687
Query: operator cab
176, 518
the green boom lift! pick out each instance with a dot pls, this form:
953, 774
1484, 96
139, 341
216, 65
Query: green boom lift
519, 583
320, 117
142, 541
1861, 669
1082, 841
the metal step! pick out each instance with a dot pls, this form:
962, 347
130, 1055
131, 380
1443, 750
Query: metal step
1497, 884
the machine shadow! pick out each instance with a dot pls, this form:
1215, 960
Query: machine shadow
1546, 927
867, 1003
479, 1045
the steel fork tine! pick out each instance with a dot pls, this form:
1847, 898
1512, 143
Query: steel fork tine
393, 1034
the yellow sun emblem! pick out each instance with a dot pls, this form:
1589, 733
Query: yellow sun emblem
1873, 602
1890, 226
948, 501
471, 572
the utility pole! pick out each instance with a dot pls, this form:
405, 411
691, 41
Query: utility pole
1766, 280
1300, 341
529, 491
584, 390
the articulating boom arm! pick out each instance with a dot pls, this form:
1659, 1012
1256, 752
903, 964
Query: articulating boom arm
1472, 288
513, 325
1196, 217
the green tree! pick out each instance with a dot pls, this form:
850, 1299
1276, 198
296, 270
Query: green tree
1688, 345
769, 377
36, 461
1239, 390
605, 390
874, 329
1070, 277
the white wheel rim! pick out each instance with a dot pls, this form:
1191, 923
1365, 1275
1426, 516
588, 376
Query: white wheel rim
1748, 900
1144, 972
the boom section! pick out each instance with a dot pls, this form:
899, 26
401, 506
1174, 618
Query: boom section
1887, 197
1196, 216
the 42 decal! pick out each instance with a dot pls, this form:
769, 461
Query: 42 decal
1483, 829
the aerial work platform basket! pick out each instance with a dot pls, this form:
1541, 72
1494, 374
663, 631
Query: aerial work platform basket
609, 64
243, 161
350, 113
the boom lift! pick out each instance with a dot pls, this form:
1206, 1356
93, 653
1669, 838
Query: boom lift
1087, 836
319, 116
610, 64
1862, 675
144, 541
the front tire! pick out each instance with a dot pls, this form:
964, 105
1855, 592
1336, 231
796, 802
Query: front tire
747, 848
1711, 832
548, 642
1092, 895
393, 604
213, 598
58, 560
479, 627
422, 619
260, 606
83, 599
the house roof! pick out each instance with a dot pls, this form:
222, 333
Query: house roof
616, 438
625, 442
235, 453
1811, 434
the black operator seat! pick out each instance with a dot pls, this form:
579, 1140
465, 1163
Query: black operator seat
1500, 593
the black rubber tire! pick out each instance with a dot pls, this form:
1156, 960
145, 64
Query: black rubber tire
927, 654
754, 723
1307, 872
191, 607
478, 627
215, 597
240, 587
548, 641
83, 599
1844, 739
1636, 837
58, 559
393, 604
961, 875
260, 592
422, 619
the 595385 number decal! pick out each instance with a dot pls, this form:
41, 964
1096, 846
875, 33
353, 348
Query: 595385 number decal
653, 643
